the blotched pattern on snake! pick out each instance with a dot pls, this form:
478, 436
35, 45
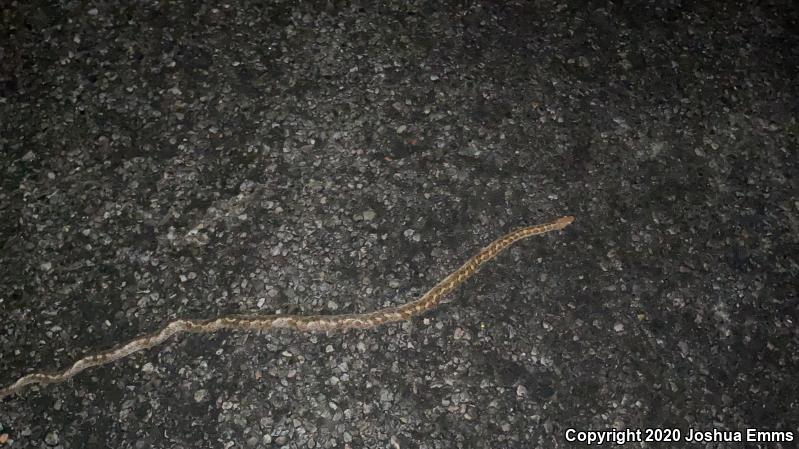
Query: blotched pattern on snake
309, 323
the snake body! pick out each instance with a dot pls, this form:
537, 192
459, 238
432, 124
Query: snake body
301, 323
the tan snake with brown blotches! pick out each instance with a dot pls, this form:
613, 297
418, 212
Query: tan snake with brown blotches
309, 323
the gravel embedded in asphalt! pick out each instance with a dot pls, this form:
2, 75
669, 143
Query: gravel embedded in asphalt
191, 159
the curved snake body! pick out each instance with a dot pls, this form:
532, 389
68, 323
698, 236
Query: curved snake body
307, 323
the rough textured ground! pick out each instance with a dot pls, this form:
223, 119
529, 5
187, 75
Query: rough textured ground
163, 160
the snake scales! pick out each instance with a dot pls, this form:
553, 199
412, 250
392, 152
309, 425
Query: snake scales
309, 323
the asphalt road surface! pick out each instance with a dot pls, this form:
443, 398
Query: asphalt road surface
167, 159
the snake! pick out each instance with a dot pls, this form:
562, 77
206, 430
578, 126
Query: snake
300, 323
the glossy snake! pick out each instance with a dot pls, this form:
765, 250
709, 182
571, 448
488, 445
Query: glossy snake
310, 323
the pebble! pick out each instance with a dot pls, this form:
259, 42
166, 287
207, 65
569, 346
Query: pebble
200, 395
51, 438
